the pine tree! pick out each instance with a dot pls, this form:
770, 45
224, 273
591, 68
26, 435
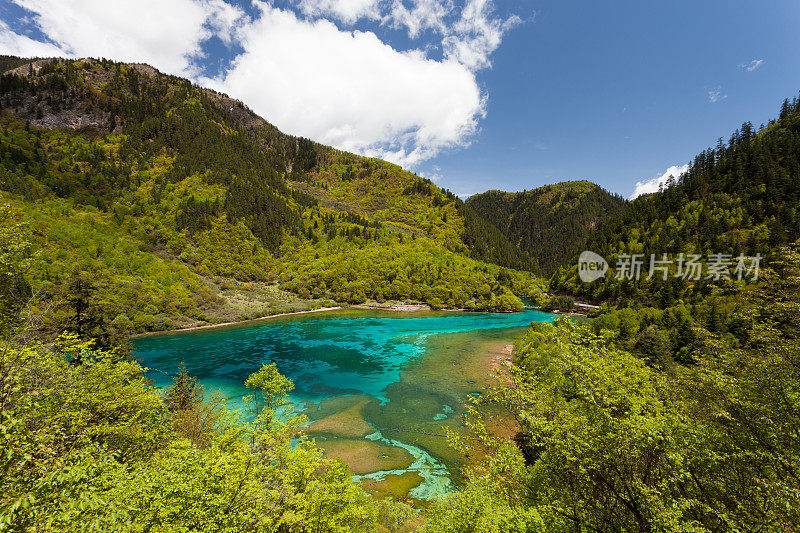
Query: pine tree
185, 393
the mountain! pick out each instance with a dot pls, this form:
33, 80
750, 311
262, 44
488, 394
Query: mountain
550, 223
740, 197
403, 202
150, 203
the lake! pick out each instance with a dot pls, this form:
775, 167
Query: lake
379, 387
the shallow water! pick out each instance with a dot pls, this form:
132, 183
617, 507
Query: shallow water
375, 382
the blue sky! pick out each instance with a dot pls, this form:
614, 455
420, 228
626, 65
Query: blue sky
476, 94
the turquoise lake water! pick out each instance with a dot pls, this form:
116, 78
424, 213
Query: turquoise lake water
330, 354
326, 355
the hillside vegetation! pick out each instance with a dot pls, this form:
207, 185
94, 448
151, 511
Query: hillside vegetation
613, 441
88, 445
163, 204
134, 201
674, 406
740, 197
551, 223
411, 205
737, 201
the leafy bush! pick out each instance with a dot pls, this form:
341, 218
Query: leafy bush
92, 447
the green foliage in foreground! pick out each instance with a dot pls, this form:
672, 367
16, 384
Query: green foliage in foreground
611, 442
90, 446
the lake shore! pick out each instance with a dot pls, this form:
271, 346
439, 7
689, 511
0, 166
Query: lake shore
237, 322
399, 308
403, 308
502, 360
497, 361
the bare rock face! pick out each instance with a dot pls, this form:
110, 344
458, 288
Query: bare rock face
43, 114
57, 109
236, 110
71, 120
144, 69
72, 111
35, 65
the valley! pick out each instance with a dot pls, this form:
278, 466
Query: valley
207, 324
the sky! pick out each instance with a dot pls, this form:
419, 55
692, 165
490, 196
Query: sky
473, 94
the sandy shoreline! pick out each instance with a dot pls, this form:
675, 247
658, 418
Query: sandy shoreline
499, 362
404, 308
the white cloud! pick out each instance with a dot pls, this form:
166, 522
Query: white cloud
654, 184
348, 11
351, 90
166, 35
435, 175
715, 95
477, 34
20, 45
751, 65
223, 19
420, 15
305, 75
469, 30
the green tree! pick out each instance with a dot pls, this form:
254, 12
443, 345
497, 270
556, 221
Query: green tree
16, 257
185, 393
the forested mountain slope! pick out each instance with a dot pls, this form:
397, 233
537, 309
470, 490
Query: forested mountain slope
149, 202
133, 201
409, 204
617, 436
740, 197
550, 223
